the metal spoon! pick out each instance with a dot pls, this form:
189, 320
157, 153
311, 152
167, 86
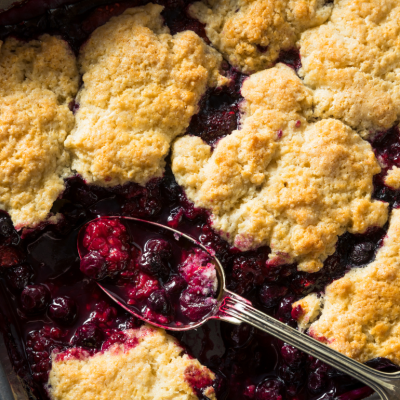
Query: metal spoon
235, 309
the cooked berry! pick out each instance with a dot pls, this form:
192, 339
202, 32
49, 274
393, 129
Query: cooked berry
175, 285
19, 277
285, 308
362, 253
35, 298
294, 376
293, 357
248, 272
238, 336
159, 303
144, 286
6, 226
88, 335
270, 389
317, 381
107, 243
270, 295
63, 310
154, 260
94, 265
195, 306
9, 256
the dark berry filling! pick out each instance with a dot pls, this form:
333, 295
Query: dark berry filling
49, 306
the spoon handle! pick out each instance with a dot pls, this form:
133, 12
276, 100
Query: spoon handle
236, 309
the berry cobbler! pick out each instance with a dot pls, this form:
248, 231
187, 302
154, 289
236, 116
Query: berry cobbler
267, 130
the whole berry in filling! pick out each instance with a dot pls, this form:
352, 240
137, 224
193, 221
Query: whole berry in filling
9, 256
175, 285
107, 243
88, 335
63, 310
155, 257
199, 273
40, 344
270, 389
6, 226
195, 306
293, 357
35, 298
362, 253
158, 302
270, 295
19, 277
143, 286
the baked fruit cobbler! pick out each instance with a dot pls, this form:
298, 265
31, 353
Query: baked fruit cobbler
265, 129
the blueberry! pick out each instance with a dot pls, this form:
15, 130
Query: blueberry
317, 381
154, 260
270, 389
153, 265
88, 335
270, 295
159, 303
238, 336
175, 285
362, 253
159, 246
94, 265
195, 306
18, 277
293, 357
35, 298
292, 375
285, 308
63, 310
6, 226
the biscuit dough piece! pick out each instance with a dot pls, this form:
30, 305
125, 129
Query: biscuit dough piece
37, 81
141, 87
353, 64
392, 178
251, 33
310, 310
361, 314
280, 180
153, 368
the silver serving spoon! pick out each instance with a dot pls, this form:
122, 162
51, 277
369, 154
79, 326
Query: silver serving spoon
235, 309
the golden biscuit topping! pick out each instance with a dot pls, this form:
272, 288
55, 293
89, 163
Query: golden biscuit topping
352, 62
251, 34
153, 369
141, 87
37, 81
361, 311
392, 178
281, 180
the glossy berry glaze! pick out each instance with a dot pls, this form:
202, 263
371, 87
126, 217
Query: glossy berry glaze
161, 276
48, 305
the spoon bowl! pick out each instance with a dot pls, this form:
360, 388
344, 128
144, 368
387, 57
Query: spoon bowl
235, 309
110, 289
